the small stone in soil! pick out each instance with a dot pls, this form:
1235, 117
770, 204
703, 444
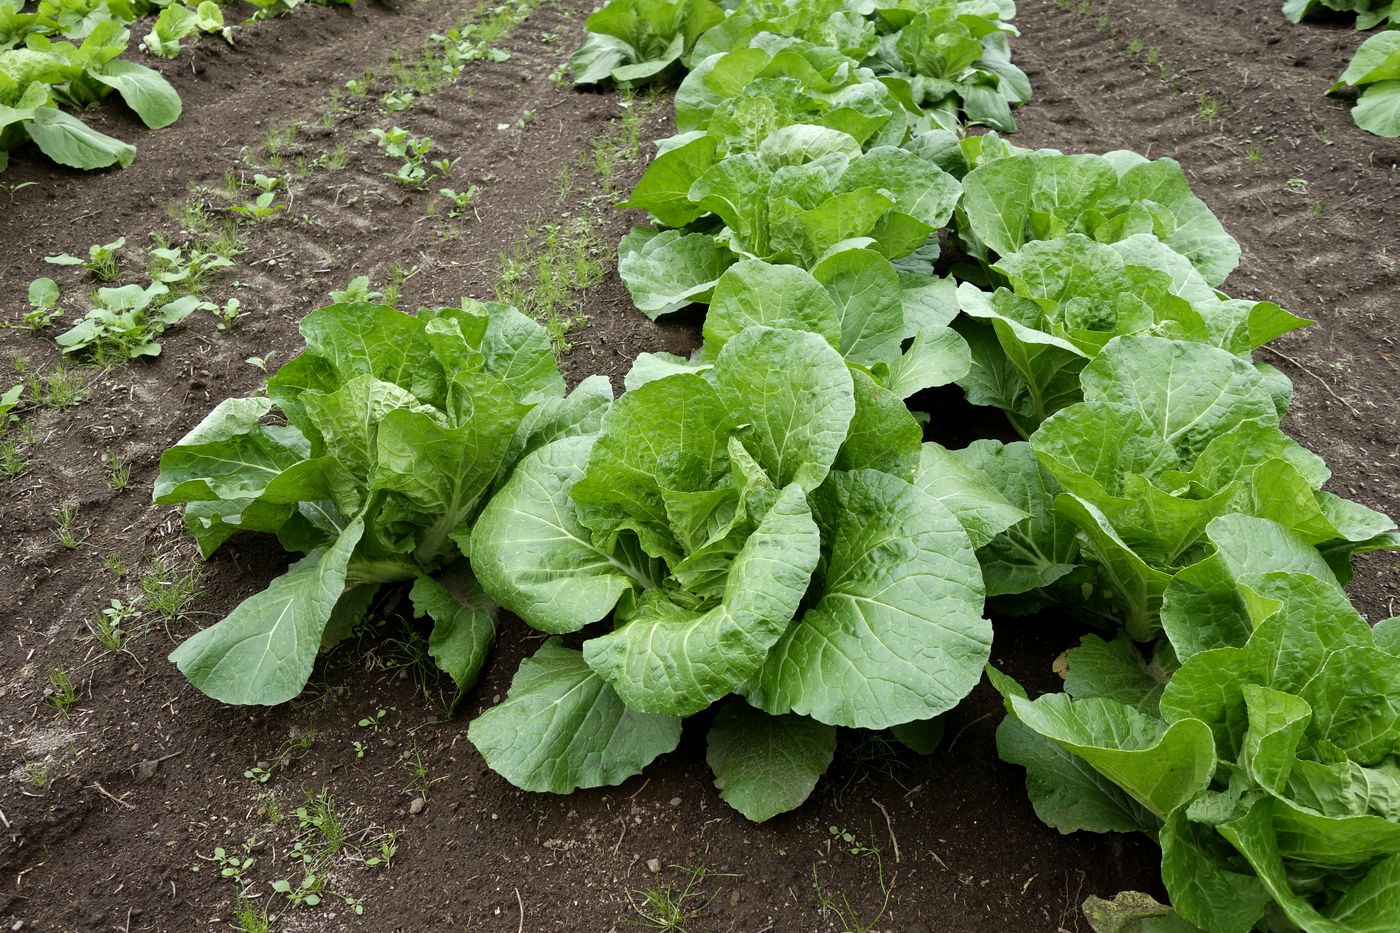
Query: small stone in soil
416, 806
675, 801
654, 865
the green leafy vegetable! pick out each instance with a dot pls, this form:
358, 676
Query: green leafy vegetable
1269, 771
636, 41
398, 428
725, 517
1376, 72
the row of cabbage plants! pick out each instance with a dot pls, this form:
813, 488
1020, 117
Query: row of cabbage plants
762, 529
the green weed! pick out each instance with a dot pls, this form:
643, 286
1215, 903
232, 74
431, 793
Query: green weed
546, 274
60, 693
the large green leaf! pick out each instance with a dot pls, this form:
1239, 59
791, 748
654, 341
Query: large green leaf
755, 293
1068, 793
561, 727
533, 555
966, 491
228, 455
143, 90
895, 632
671, 433
1208, 883
379, 341
1378, 109
1039, 549
765, 765
1162, 768
673, 660
263, 652
665, 271
1188, 393
869, 304
793, 394
69, 141
464, 626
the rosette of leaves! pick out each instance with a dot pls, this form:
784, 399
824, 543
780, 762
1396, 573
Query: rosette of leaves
390, 432
951, 59
632, 42
1267, 765
956, 55
177, 20
740, 97
1012, 197
807, 193
46, 73
838, 24
1065, 298
892, 324
1375, 71
760, 528
1122, 486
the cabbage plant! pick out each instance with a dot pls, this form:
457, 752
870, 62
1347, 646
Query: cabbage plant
762, 535
370, 456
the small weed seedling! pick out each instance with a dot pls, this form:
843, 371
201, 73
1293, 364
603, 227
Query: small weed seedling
38, 773
43, 304
124, 323
166, 590
250, 918
419, 783
60, 693
668, 908
847, 915
118, 470
102, 260
372, 722
229, 315
396, 101
116, 564
110, 628
231, 866
460, 200
12, 462
358, 88
546, 274
356, 291
184, 271
388, 848
398, 143
294, 747
1208, 106
64, 519
59, 388
13, 190
261, 208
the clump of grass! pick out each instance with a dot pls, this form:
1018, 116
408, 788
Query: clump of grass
60, 693
546, 273
168, 590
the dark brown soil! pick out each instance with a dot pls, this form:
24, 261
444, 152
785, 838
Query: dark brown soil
145, 778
